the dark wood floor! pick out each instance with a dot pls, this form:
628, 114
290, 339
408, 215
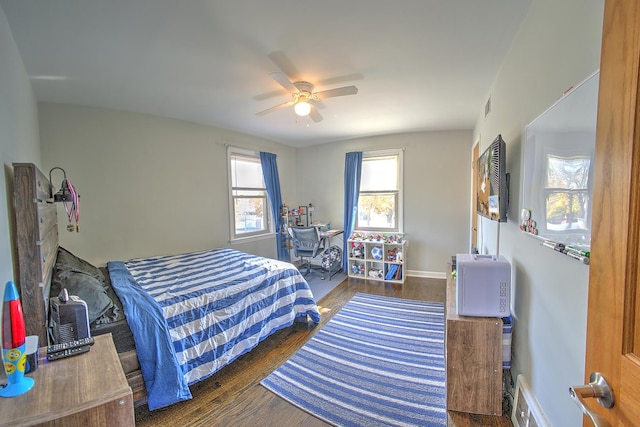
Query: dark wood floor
234, 396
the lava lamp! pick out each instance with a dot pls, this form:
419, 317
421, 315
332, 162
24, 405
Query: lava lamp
14, 344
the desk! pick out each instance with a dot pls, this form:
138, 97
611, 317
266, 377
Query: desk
326, 236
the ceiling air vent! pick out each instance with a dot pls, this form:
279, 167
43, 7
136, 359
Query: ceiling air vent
487, 107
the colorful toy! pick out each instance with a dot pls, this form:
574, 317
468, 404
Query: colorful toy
391, 254
357, 250
357, 269
377, 274
376, 252
14, 344
356, 236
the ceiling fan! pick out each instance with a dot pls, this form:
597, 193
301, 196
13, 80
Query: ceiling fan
303, 96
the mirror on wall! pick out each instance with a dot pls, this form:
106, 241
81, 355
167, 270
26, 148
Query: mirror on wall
557, 184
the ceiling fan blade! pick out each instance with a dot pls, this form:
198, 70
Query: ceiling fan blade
285, 65
341, 91
276, 108
315, 114
284, 81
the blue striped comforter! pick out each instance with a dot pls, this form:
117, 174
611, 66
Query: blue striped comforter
192, 314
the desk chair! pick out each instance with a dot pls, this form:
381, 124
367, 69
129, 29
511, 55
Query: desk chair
306, 243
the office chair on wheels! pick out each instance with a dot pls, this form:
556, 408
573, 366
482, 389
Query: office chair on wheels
306, 243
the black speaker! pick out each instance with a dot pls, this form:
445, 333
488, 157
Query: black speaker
68, 319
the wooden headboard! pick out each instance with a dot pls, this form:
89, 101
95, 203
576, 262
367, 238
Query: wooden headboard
37, 240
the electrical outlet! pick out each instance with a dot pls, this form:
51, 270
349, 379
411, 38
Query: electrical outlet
526, 411
520, 416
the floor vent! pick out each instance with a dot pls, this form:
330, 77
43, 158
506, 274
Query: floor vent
526, 411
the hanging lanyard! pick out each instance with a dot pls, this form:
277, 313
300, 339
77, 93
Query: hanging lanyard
73, 211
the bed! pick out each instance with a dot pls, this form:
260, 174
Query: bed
175, 319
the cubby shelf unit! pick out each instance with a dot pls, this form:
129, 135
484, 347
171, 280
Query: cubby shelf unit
364, 265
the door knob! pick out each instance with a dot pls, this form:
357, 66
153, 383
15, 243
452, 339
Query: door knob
598, 388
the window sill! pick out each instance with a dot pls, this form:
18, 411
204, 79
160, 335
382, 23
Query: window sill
248, 239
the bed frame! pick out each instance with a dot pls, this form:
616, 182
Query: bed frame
37, 241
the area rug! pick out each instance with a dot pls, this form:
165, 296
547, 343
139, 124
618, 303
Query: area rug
378, 362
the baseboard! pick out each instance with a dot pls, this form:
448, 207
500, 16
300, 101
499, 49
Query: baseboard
427, 274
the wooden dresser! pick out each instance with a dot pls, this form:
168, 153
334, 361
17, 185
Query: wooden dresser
473, 359
89, 389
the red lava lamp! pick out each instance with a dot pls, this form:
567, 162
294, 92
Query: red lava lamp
14, 344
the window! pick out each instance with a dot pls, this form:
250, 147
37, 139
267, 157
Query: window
567, 193
248, 202
380, 201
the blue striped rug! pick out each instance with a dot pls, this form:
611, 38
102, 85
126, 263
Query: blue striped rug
378, 362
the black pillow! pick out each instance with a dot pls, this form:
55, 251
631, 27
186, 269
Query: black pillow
67, 261
87, 288
113, 314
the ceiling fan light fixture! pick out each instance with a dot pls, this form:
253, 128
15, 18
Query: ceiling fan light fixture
302, 92
302, 108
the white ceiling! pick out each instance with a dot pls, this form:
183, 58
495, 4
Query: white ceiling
419, 65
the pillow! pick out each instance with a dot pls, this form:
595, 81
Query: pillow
87, 288
67, 261
113, 314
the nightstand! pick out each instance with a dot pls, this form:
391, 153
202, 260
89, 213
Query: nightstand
89, 389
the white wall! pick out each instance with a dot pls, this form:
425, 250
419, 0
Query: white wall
557, 46
18, 143
18, 139
437, 168
148, 185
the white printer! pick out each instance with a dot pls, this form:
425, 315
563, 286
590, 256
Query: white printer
483, 285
